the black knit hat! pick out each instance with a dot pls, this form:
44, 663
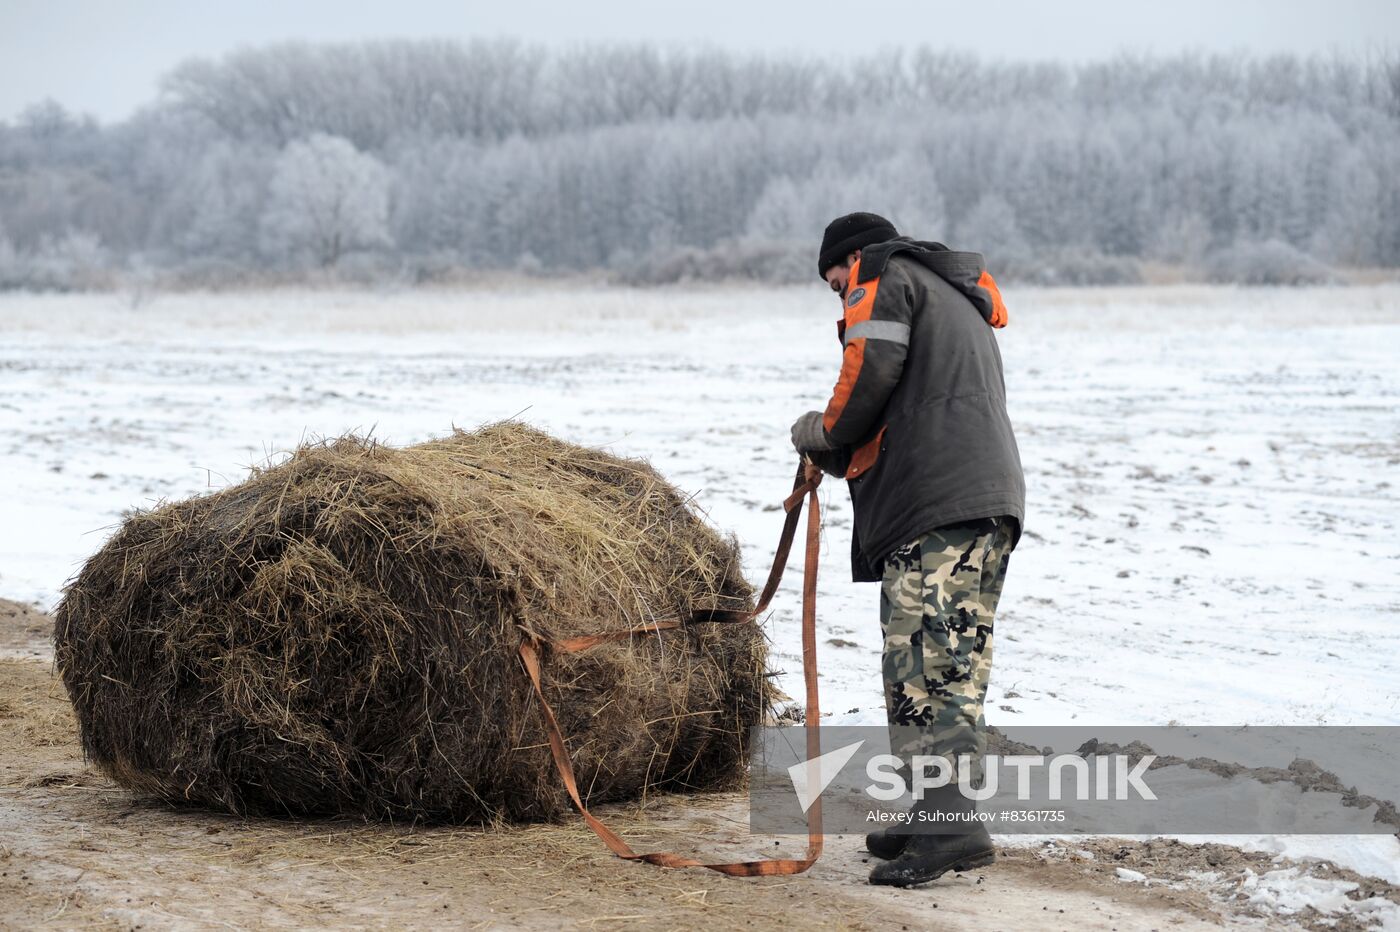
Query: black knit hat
845, 235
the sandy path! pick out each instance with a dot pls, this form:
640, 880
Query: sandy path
77, 851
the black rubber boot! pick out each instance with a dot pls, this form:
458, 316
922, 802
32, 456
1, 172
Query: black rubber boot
884, 844
928, 857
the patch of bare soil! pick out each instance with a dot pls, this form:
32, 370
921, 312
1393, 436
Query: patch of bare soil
25, 632
78, 851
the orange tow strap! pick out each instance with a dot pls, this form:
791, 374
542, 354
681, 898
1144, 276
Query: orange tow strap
808, 478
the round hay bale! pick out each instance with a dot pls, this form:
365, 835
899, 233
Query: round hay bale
339, 634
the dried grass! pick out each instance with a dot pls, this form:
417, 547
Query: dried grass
338, 635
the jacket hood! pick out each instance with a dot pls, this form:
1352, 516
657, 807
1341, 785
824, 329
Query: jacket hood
965, 271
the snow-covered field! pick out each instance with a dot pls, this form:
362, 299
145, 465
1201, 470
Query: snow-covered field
1214, 474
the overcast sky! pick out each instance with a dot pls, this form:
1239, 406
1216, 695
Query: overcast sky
105, 57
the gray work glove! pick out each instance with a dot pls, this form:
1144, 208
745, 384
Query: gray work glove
809, 435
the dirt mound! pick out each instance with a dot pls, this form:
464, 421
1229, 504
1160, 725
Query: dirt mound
339, 634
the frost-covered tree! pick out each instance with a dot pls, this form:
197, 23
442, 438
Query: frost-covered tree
10, 272
495, 153
213, 209
1180, 236
902, 188
991, 229
1353, 229
326, 199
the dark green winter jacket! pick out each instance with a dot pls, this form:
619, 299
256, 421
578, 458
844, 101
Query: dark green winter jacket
918, 415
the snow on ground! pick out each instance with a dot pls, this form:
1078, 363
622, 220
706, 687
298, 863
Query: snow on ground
1213, 485
1289, 892
1213, 498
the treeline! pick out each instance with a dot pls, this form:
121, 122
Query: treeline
424, 160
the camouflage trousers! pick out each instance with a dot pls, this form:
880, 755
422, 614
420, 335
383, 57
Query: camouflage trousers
938, 600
